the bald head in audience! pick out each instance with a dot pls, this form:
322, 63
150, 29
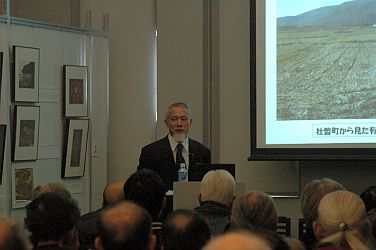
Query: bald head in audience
12, 236
239, 240
113, 193
125, 226
184, 230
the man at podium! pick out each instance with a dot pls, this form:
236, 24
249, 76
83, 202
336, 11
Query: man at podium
166, 155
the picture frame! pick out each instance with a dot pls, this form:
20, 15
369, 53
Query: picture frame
75, 146
25, 67
75, 91
1, 72
22, 185
26, 133
3, 132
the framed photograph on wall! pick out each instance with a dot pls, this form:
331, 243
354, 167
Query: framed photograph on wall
3, 132
75, 91
26, 133
25, 74
22, 185
1, 71
75, 144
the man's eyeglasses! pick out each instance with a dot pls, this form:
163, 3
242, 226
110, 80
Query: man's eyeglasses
176, 118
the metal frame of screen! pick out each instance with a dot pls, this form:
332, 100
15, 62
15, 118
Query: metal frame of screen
295, 153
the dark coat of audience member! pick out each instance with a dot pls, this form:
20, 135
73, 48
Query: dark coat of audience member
125, 226
216, 196
87, 226
184, 230
51, 221
146, 188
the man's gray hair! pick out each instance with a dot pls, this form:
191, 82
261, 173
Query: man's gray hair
219, 186
52, 187
180, 105
312, 194
254, 210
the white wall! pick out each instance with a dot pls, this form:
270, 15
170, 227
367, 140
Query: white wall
180, 60
132, 79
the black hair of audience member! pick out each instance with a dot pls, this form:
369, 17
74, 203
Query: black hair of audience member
369, 197
146, 188
371, 215
125, 226
184, 230
50, 217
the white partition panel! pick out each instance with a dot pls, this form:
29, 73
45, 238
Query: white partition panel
59, 46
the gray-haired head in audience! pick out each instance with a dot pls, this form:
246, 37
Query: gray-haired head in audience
254, 210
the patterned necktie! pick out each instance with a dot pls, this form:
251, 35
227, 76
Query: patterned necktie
179, 155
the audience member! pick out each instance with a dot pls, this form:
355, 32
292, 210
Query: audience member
87, 225
216, 197
294, 244
146, 188
51, 221
184, 230
12, 236
52, 187
371, 215
342, 222
254, 210
125, 226
369, 197
274, 239
309, 203
238, 240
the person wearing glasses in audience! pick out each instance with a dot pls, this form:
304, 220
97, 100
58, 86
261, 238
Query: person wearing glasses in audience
165, 155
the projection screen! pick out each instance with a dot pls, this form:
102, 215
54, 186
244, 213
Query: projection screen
313, 74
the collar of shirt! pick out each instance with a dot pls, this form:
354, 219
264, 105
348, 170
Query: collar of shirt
174, 143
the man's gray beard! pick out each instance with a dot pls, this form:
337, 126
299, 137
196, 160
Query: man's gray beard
179, 137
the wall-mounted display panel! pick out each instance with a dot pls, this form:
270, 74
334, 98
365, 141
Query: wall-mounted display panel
25, 74
74, 155
3, 129
23, 185
75, 91
26, 132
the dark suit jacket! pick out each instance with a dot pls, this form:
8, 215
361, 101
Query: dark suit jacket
159, 157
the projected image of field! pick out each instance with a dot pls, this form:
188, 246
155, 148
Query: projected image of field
327, 71
326, 74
